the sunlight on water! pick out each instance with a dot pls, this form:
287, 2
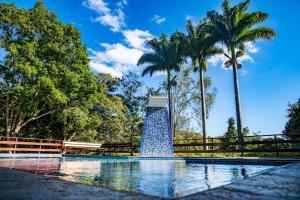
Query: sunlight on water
163, 178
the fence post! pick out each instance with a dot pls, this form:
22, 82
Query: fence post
15, 145
40, 146
212, 145
276, 145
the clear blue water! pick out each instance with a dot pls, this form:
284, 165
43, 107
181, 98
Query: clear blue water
156, 177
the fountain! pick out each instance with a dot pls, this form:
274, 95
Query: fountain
157, 137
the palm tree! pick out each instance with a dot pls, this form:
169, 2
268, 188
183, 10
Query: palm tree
200, 44
166, 56
233, 28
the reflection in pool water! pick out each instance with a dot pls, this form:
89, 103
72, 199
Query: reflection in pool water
163, 178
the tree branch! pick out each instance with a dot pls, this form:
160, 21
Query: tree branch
35, 118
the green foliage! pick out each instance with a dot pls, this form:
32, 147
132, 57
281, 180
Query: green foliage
210, 96
166, 55
235, 26
293, 124
45, 68
130, 93
200, 44
78, 121
46, 82
111, 109
231, 134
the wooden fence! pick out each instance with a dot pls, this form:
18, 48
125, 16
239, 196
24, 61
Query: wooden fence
275, 143
35, 145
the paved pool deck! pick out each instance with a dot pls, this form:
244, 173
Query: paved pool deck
281, 183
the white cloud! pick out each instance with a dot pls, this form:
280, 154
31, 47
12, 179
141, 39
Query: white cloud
97, 5
121, 3
136, 38
115, 19
116, 59
251, 47
221, 59
158, 19
100, 67
118, 53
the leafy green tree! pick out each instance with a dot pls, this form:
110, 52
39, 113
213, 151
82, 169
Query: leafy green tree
102, 122
230, 135
45, 68
233, 28
200, 45
246, 131
130, 92
292, 126
111, 109
77, 122
167, 55
112, 84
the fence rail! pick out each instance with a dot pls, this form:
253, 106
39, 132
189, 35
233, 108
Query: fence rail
36, 145
276, 143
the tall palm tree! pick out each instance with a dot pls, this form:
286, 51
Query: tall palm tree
233, 28
200, 44
166, 55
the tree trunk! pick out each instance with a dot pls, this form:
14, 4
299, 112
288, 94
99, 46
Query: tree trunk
7, 126
15, 121
170, 102
71, 137
203, 105
237, 104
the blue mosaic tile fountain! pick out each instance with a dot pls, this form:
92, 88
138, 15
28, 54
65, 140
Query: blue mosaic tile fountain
157, 138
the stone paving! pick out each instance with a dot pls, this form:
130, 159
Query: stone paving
282, 183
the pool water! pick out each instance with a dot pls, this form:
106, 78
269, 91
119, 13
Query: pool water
157, 177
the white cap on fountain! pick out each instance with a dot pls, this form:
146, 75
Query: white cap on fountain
156, 101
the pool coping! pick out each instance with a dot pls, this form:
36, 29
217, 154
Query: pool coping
263, 185
208, 160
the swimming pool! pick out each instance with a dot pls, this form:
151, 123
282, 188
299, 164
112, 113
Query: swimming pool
166, 178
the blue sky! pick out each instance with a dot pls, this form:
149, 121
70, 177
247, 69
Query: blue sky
114, 32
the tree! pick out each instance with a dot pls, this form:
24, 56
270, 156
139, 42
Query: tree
78, 121
233, 28
167, 55
45, 68
210, 96
111, 108
292, 126
186, 99
230, 135
130, 91
200, 45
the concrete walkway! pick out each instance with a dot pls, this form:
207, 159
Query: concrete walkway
282, 183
